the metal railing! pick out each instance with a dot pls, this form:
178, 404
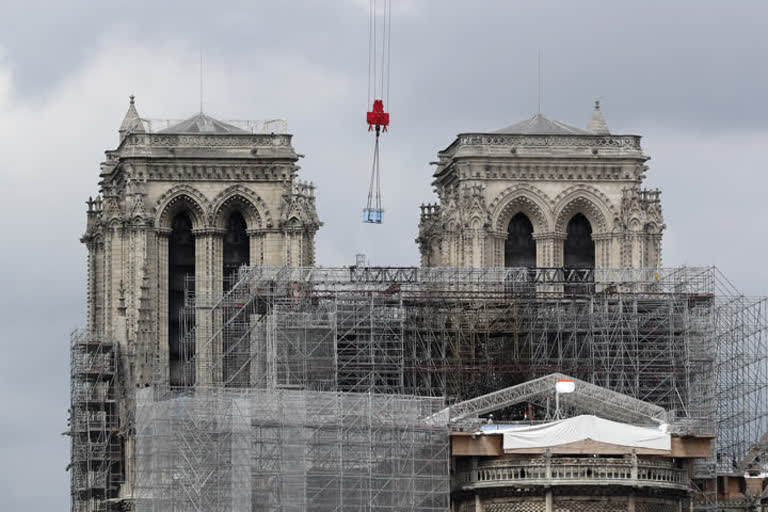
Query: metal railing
260, 126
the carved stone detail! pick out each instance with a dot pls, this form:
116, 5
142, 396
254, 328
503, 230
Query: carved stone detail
256, 211
202, 140
548, 141
178, 196
587, 200
521, 198
205, 172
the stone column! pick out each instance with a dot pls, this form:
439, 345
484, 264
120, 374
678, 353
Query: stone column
634, 472
274, 247
494, 248
445, 250
208, 289
626, 249
558, 246
478, 256
256, 246
638, 251
289, 248
98, 288
296, 248
451, 250
614, 247
473, 248
145, 330
457, 250
549, 249
658, 249
634, 476
92, 294
163, 234
478, 500
106, 284
309, 242
653, 244
117, 282
549, 254
602, 250
133, 274
548, 475
543, 243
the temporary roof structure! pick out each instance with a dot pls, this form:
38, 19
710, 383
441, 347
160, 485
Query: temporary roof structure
584, 428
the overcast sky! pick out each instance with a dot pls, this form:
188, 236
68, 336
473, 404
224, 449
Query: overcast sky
692, 80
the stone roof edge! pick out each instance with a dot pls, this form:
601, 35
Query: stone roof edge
457, 140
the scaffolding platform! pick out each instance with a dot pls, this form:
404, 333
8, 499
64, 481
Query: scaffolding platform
96, 451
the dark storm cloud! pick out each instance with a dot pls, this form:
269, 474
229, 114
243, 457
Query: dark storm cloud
688, 77
682, 63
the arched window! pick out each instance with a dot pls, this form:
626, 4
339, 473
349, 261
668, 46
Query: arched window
181, 264
520, 249
579, 248
236, 248
236, 342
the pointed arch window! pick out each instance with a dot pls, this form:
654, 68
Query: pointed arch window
181, 266
236, 342
236, 248
520, 248
579, 248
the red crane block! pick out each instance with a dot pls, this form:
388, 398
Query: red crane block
377, 117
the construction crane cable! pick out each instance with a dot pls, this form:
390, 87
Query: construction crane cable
389, 46
375, 42
378, 174
374, 194
383, 47
370, 49
378, 84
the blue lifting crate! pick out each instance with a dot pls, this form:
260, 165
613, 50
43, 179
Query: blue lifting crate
373, 215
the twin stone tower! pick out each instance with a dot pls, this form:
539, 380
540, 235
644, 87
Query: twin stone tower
201, 198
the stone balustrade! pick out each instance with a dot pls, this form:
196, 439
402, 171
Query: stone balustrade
574, 472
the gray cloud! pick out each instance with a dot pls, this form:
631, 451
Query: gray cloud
688, 78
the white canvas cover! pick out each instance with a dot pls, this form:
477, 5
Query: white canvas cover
582, 428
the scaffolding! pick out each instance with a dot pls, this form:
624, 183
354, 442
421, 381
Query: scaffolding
741, 336
217, 449
680, 338
298, 375
462, 333
96, 455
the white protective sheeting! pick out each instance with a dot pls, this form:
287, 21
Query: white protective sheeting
585, 427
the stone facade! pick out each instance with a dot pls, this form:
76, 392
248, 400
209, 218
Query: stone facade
549, 172
202, 170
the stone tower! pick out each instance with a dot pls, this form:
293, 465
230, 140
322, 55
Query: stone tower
181, 205
197, 198
541, 193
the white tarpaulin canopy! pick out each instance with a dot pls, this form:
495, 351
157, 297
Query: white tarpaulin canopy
585, 427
